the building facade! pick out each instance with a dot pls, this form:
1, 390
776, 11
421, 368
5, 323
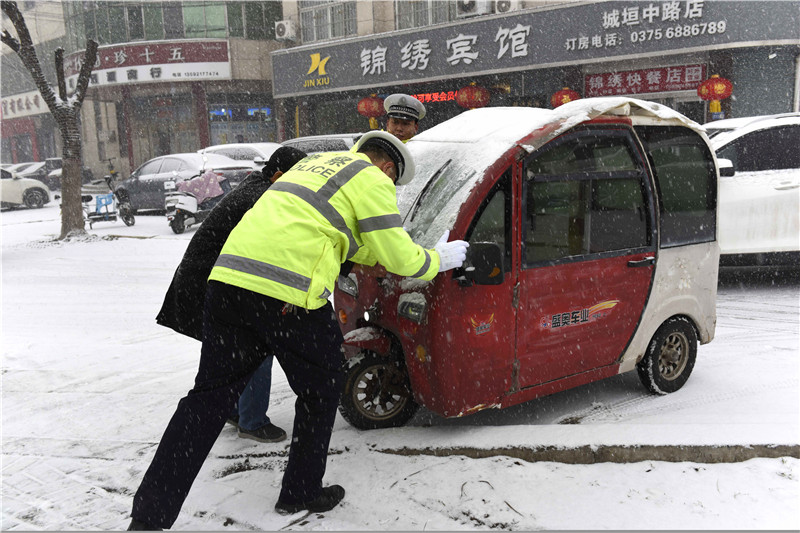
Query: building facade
657, 51
176, 76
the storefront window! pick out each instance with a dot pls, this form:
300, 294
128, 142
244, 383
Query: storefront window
241, 118
117, 25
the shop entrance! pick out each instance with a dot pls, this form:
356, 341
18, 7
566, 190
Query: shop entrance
163, 125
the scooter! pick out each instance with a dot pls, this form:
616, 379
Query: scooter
190, 201
108, 207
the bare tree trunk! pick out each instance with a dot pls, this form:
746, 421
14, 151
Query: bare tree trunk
64, 108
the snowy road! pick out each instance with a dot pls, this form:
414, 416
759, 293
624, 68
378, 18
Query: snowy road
89, 382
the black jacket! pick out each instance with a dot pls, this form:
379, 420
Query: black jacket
182, 309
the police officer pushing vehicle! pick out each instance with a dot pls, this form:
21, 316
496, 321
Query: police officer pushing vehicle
268, 293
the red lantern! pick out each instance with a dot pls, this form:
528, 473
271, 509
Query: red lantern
563, 96
715, 89
371, 107
472, 96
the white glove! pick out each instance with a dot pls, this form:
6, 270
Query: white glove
451, 254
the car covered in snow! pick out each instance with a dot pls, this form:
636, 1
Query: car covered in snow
145, 186
324, 143
16, 191
759, 196
254, 153
593, 252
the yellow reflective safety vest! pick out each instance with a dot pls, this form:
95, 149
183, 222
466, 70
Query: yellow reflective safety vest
328, 208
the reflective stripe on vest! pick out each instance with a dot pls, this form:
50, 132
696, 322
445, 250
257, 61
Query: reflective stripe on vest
425, 265
380, 222
264, 270
320, 200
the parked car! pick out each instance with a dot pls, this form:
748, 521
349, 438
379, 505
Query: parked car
18, 167
716, 127
759, 205
255, 153
145, 187
49, 172
324, 143
16, 191
592, 231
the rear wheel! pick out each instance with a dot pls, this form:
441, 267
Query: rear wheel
670, 357
34, 198
178, 224
377, 394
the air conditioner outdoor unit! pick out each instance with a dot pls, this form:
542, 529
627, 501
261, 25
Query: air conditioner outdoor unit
285, 30
470, 8
505, 6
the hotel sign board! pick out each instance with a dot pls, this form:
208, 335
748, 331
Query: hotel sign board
564, 35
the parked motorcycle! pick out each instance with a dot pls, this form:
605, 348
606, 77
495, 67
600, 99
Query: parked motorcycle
190, 201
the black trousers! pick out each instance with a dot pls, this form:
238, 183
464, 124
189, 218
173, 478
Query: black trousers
240, 328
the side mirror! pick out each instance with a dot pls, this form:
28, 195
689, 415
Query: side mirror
484, 264
260, 161
726, 169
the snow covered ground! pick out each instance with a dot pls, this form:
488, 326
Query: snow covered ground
89, 381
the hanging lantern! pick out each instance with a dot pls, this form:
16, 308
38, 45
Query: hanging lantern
715, 89
371, 107
563, 96
472, 96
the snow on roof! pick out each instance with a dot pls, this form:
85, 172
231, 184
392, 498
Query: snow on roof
458, 151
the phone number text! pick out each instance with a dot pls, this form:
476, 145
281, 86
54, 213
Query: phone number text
679, 32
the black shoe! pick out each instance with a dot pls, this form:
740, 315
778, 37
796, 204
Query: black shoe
268, 433
233, 420
136, 525
330, 498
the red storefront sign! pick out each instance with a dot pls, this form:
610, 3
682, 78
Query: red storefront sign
154, 61
651, 80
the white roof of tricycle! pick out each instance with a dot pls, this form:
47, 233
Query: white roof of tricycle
462, 148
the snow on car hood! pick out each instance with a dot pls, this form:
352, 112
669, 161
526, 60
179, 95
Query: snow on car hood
452, 157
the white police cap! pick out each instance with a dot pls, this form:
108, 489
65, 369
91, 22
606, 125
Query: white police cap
404, 106
395, 148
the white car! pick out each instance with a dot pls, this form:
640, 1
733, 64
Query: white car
759, 205
16, 191
256, 153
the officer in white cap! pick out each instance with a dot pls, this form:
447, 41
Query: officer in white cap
404, 113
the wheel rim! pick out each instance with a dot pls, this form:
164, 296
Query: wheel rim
379, 392
35, 199
674, 356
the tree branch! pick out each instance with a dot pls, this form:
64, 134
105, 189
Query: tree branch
62, 84
27, 53
89, 59
10, 41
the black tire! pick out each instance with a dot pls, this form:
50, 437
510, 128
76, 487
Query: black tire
670, 357
377, 394
128, 219
34, 198
178, 224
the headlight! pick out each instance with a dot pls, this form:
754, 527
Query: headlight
348, 285
412, 310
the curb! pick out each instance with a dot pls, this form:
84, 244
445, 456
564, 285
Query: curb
618, 453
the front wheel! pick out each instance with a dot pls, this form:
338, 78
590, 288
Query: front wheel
377, 394
127, 216
34, 199
670, 357
178, 224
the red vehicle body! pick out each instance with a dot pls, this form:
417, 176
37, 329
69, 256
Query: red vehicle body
593, 251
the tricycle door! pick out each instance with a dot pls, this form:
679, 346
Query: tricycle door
478, 314
588, 253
